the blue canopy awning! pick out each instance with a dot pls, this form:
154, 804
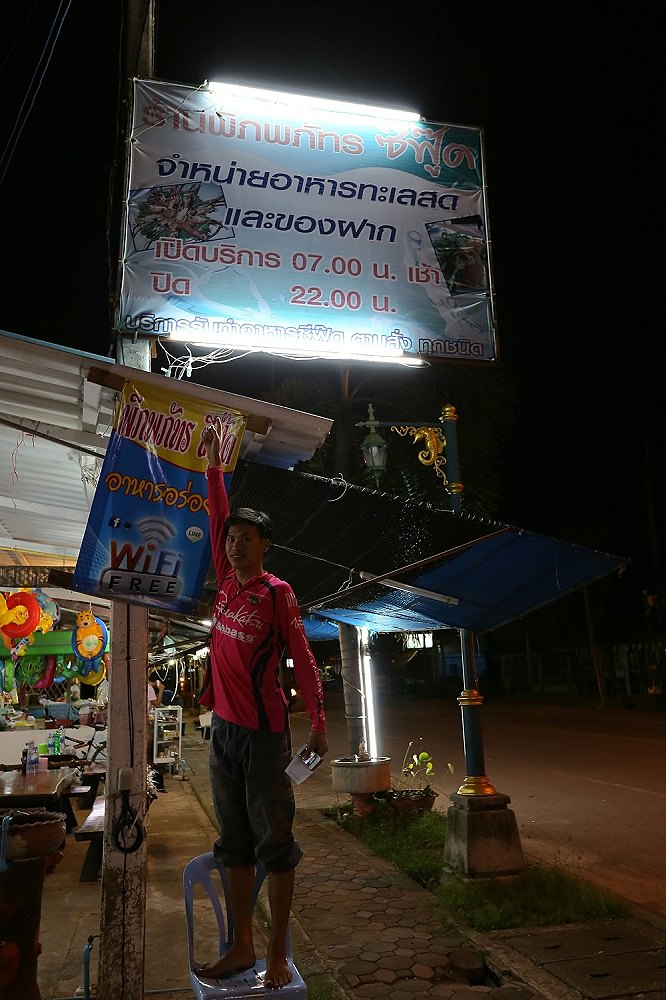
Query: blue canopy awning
495, 580
438, 569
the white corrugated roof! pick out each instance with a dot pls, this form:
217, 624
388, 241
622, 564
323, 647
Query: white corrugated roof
55, 421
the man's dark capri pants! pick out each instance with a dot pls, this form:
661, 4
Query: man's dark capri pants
253, 797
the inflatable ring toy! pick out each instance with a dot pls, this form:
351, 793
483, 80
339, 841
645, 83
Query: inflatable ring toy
94, 677
70, 669
16, 624
90, 636
46, 680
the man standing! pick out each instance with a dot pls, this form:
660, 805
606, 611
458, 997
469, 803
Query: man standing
256, 621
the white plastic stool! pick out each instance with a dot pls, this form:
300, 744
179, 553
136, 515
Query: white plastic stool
211, 875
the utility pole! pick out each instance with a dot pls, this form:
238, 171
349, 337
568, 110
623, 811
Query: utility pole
123, 896
137, 59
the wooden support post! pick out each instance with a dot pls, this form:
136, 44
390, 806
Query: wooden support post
123, 903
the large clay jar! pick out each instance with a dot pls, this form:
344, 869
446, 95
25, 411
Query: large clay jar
28, 839
33, 834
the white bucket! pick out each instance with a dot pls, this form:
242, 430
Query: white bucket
358, 776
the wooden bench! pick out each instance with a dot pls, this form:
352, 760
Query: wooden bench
92, 830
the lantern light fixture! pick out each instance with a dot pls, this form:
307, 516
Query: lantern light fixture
438, 449
374, 447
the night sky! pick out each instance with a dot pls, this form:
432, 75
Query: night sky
551, 89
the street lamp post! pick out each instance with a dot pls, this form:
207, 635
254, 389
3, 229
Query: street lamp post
438, 450
449, 420
481, 834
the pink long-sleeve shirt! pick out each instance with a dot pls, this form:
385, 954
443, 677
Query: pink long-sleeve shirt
252, 627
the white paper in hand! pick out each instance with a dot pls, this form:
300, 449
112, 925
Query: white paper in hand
302, 765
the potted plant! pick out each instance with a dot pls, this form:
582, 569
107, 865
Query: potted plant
362, 776
412, 792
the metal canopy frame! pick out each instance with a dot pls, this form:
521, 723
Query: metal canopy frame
343, 547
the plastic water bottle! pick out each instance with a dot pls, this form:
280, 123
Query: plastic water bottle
33, 758
51, 744
24, 760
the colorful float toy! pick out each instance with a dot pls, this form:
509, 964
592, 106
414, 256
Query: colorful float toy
48, 676
95, 677
89, 640
19, 616
70, 667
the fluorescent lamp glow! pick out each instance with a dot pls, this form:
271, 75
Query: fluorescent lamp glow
220, 89
248, 347
419, 591
368, 691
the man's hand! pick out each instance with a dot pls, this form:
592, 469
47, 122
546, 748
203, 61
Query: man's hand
317, 743
211, 440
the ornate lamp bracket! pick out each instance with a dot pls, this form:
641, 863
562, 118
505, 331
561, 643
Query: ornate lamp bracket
434, 446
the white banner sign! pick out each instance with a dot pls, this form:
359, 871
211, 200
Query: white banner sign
261, 225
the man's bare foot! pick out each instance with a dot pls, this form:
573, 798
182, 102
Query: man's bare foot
234, 960
278, 973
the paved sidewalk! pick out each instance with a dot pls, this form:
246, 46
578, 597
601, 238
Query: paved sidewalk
359, 920
358, 924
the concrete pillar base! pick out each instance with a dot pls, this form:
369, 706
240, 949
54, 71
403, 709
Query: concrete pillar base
482, 839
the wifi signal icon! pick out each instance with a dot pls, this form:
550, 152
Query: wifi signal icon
155, 530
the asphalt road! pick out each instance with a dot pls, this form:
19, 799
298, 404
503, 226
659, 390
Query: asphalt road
586, 784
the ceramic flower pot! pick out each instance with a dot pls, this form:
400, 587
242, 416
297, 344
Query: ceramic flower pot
361, 779
411, 803
361, 776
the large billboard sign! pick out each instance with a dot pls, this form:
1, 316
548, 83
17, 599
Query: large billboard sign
262, 224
